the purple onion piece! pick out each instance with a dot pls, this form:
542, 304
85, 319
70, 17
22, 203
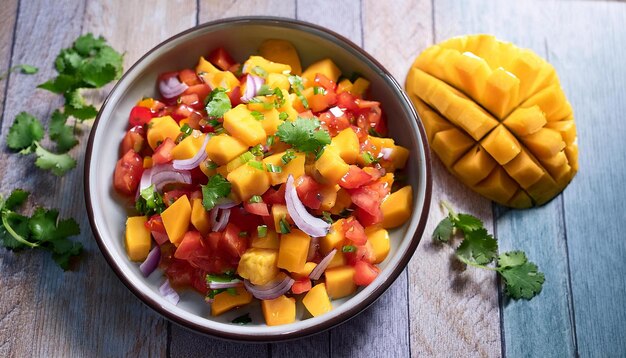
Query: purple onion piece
253, 84
151, 262
169, 293
194, 162
219, 285
321, 267
270, 291
172, 87
306, 222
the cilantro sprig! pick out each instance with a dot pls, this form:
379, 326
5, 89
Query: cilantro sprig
304, 134
43, 230
217, 187
24, 69
522, 278
217, 103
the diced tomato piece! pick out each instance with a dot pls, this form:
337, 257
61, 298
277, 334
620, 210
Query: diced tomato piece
198, 281
369, 197
306, 114
188, 77
178, 272
364, 273
133, 139
170, 196
334, 124
182, 111
374, 172
220, 58
309, 192
354, 178
368, 219
157, 229
163, 153
234, 95
202, 90
128, 172
190, 246
301, 286
347, 101
139, 116
321, 102
232, 243
353, 230
273, 196
213, 241
363, 252
325, 82
191, 100
244, 220
256, 208
361, 103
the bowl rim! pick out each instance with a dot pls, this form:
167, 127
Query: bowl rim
332, 321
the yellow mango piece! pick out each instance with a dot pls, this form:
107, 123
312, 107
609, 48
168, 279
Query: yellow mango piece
486, 46
571, 151
326, 67
359, 86
450, 145
138, 240
293, 250
396, 207
281, 51
498, 186
342, 202
248, 181
287, 107
223, 79
222, 170
306, 271
240, 123
224, 301
269, 66
176, 219
473, 72
545, 143
160, 128
199, 217
399, 155
147, 162
269, 241
258, 265
334, 238
188, 147
544, 189
501, 145
520, 200
340, 281
524, 170
526, 66
223, 148
295, 167
278, 80
433, 122
344, 85
567, 129
338, 260
525, 121
331, 166
379, 240
551, 100
281, 310
271, 121
279, 212
205, 66
329, 196
474, 166
501, 93
316, 300
346, 143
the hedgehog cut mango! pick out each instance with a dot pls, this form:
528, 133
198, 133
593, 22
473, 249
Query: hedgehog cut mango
497, 117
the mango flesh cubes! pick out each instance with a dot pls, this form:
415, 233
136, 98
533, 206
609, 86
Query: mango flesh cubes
497, 118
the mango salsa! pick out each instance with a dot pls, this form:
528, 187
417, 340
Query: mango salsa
176, 219
225, 301
281, 310
138, 241
316, 300
293, 250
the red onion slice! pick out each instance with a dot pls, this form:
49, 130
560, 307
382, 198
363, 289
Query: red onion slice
171, 87
146, 179
321, 267
313, 247
160, 237
151, 262
169, 293
386, 152
253, 84
226, 204
220, 285
306, 222
219, 225
271, 290
165, 174
192, 163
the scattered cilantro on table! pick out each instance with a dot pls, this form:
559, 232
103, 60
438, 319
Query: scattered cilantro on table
522, 278
24, 69
217, 187
42, 230
304, 134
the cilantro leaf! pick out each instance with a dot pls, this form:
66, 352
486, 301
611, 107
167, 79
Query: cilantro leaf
218, 103
150, 202
62, 83
25, 131
15, 200
443, 231
26, 69
217, 187
59, 164
60, 133
511, 258
467, 222
62, 256
76, 106
478, 247
19, 225
243, 319
522, 281
304, 134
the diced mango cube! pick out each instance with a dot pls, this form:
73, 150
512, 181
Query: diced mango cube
501, 144
160, 128
334, 238
525, 170
545, 143
281, 51
326, 67
281, 310
399, 155
359, 86
316, 300
338, 260
473, 72
525, 121
279, 212
293, 250
498, 186
339, 281
331, 166
269, 241
176, 219
295, 167
501, 92
329, 196
248, 181
138, 240
258, 265
396, 207
224, 301
205, 66
199, 217
277, 80
346, 144
188, 147
270, 121
379, 240
450, 145
342, 202
223, 148
240, 123
474, 166
306, 271
270, 67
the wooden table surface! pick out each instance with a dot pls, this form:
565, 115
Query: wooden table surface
433, 309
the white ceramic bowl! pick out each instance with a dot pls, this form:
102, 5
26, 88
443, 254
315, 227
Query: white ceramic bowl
241, 37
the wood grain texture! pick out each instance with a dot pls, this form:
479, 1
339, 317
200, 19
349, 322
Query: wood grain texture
594, 79
450, 310
8, 12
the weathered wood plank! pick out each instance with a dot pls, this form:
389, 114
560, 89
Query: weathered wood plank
547, 319
449, 311
588, 60
8, 13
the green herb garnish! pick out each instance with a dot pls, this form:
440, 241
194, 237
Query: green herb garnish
284, 226
217, 187
261, 231
217, 103
304, 134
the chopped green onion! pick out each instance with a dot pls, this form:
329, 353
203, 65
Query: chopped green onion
288, 156
283, 116
255, 164
270, 140
232, 291
186, 129
284, 226
373, 133
243, 319
210, 164
264, 90
257, 115
326, 217
273, 168
259, 71
219, 278
246, 157
213, 293
319, 90
243, 234
255, 199
261, 231
257, 150
279, 97
368, 158
319, 154
298, 87
348, 248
